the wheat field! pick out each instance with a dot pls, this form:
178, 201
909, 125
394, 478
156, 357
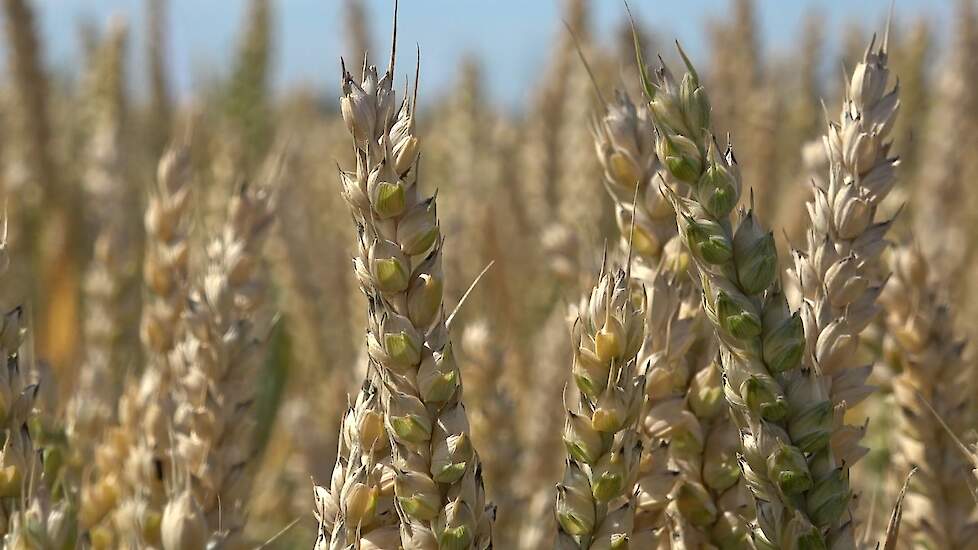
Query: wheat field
716, 301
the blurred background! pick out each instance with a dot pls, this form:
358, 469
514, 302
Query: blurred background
505, 122
509, 37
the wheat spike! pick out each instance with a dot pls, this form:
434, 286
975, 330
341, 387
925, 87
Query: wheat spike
358, 505
938, 509
594, 505
539, 467
941, 203
216, 365
438, 483
125, 490
108, 295
783, 417
357, 29
684, 414
490, 404
838, 274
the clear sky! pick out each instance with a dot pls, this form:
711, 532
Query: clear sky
511, 36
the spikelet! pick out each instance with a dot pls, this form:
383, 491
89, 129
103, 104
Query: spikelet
438, 487
783, 416
594, 505
938, 512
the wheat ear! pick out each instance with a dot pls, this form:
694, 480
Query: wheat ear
839, 272
161, 100
107, 294
358, 506
595, 506
690, 465
217, 363
938, 512
438, 486
783, 413
123, 498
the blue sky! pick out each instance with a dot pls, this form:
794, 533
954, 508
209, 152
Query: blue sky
511, 36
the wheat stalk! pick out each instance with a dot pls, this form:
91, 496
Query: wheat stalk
438, 486
939, 505
595, 507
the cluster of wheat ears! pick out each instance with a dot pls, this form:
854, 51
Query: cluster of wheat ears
598, 343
